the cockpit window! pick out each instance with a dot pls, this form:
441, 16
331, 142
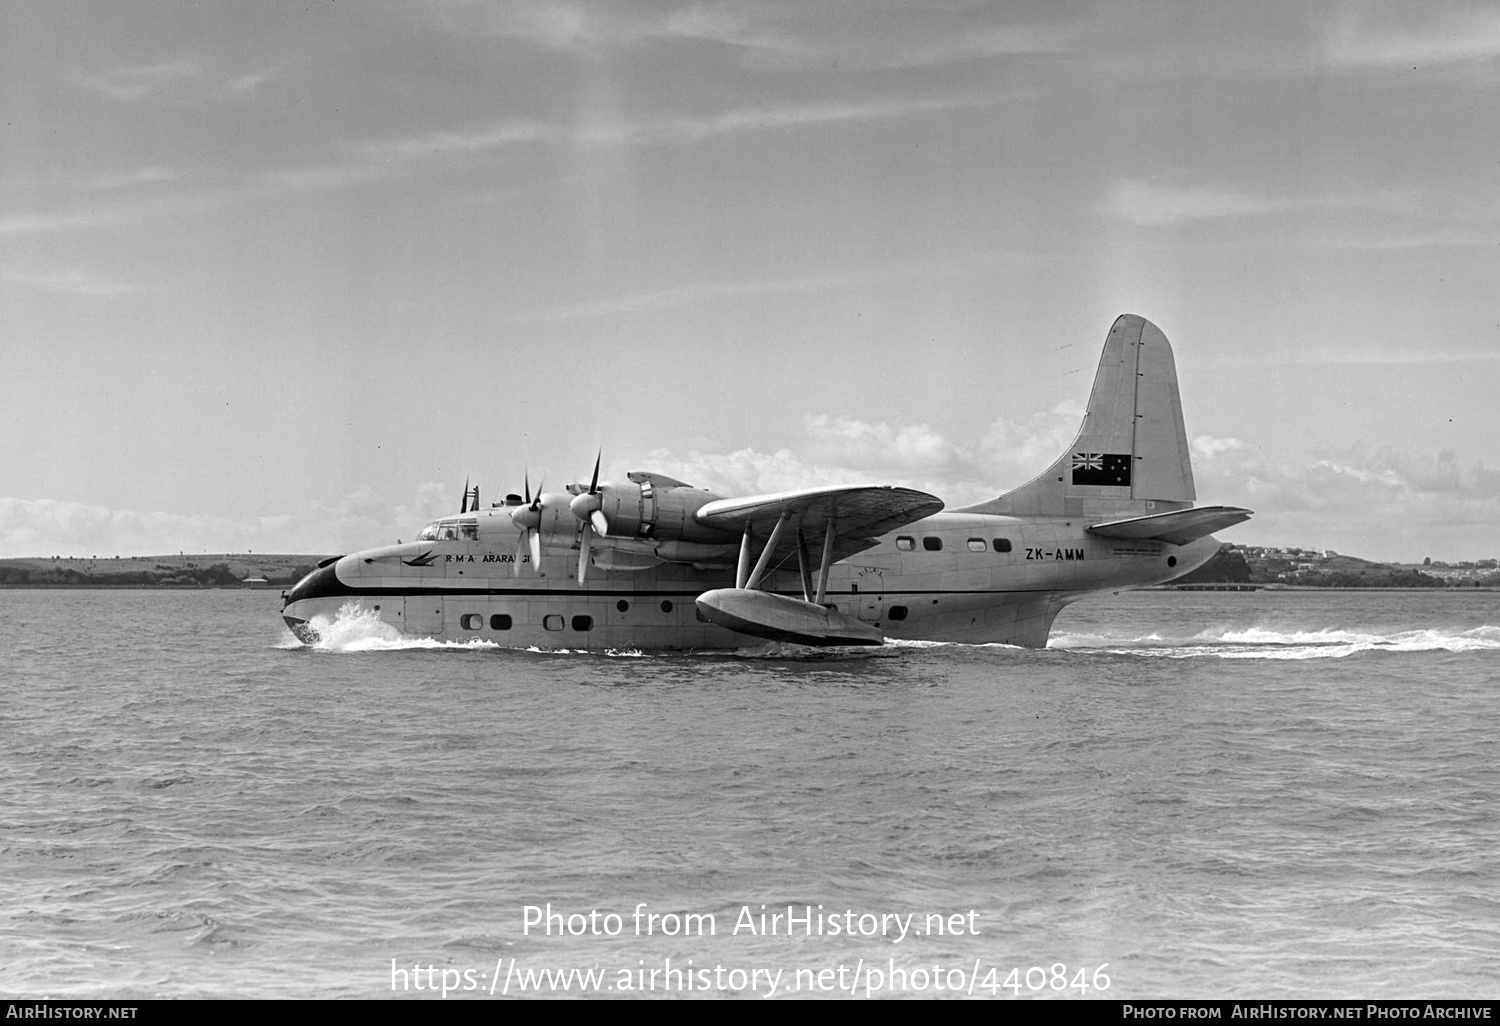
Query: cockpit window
449, 530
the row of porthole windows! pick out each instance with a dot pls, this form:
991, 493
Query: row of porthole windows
932, 543
550, 622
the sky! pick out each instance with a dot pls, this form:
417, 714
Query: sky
281, 277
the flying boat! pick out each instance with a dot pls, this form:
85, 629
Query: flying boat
653, 563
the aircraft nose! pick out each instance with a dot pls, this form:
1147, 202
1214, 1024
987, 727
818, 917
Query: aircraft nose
321, 583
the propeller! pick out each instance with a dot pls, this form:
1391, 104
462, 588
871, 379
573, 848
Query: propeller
586, 506
529, 519
469, 493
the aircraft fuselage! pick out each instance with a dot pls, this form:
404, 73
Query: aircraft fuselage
950, 577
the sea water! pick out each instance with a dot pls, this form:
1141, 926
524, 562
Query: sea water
1268, 794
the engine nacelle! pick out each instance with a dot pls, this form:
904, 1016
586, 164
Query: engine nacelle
656, 507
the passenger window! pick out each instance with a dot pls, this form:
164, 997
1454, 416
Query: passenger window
1002, 544
500, 622
932, 544
552, 622
583, 623
905, 543
896, 613
977, 545
471, 621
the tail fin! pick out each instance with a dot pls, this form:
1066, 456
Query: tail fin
1131, 455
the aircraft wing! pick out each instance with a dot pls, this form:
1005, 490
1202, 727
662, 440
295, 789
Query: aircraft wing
1178, 526
861, 513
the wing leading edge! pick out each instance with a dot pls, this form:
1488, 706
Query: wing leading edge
860, 513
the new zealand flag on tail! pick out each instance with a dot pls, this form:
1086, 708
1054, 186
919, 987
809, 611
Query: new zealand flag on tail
1101, 468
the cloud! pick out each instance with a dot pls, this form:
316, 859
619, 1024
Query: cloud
45, 527
431, 145
143, 176
1167, 200
1372, 502
181, 81
986, 44
596, 30
248, 83
70, 281
1427, 38
364, 518
1148, 202
765, 35
135, 83
844, 450
857, 443
699, 292
676, 130
125, 211
947, 265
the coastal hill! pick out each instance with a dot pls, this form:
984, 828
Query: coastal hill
224, 570
1311, 568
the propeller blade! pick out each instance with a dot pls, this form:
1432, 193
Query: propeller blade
583, 553
535, 537
463, 507
586, 505
515, 566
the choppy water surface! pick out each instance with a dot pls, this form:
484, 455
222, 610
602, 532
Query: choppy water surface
1258, 795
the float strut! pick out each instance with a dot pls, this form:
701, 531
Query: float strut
804, 566
765, 555
742, 571
827, 559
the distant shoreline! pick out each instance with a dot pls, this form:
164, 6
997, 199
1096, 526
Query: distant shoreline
220, 570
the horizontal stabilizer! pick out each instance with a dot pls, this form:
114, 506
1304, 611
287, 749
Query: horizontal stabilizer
1178, 526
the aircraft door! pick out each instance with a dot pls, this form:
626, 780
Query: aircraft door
869, 600
424, 614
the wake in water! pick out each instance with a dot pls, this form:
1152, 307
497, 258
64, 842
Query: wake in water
1263, 643
355, 629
